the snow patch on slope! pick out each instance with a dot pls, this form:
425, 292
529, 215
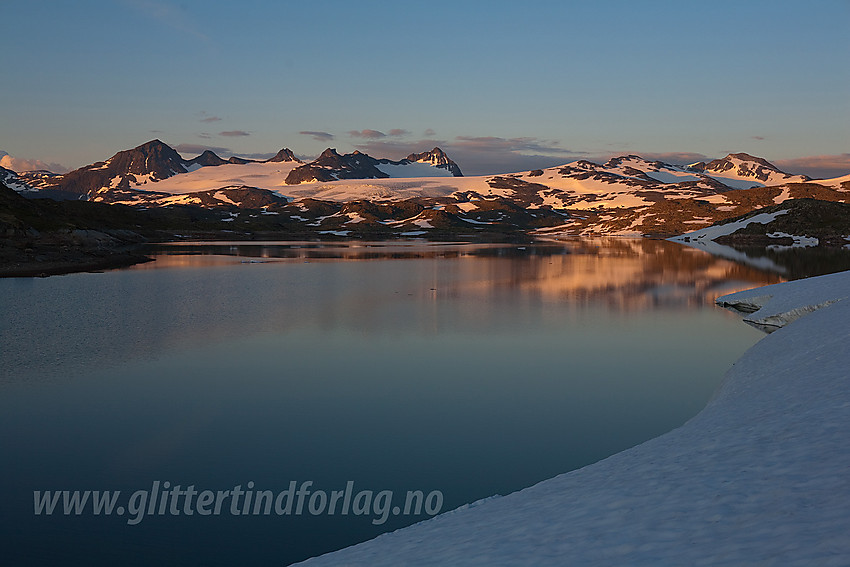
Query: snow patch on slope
712, 232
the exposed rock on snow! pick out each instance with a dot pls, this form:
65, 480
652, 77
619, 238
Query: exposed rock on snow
331, 166
749, 169
793, 223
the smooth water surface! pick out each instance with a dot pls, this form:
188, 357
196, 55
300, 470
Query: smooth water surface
471, 370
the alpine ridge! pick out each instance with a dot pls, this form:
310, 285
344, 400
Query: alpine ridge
425, 194
331, 166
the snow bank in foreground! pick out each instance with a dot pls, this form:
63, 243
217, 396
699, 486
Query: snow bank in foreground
767, 308
760, 476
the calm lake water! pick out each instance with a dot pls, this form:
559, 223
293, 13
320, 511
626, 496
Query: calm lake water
464, 369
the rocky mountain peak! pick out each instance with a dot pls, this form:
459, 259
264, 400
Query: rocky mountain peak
283, 155
438, 158
329, 153
746, 166
619, 160
330, 166
208, 158
748, 158
154, 158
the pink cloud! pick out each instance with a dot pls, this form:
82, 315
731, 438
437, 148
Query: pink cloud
19, 165
317, 135
817, 167
369, 134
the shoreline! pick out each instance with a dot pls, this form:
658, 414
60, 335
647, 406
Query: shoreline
753, 478
65, 267
60, 255
52, 255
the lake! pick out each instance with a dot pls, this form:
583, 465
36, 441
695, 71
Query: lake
458, 370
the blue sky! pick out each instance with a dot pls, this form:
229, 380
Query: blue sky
501, 86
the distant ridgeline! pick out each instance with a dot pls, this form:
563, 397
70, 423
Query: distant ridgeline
426, 195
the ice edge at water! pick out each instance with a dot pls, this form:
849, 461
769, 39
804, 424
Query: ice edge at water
757, 477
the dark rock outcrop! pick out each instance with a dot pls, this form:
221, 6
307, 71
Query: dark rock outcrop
827, 221
208, 158
331, 166
240, 161
283, 155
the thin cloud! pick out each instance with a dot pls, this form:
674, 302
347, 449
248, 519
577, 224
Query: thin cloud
759, 138
195, 149
493, 143
166, 14
429, 133
204, 116
234, 133
817, 167
318, 136
368, 134
398, 132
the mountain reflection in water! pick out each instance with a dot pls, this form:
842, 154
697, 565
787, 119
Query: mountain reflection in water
625, 273
472, 369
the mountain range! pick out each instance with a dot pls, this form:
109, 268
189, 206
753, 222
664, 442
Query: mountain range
426, 193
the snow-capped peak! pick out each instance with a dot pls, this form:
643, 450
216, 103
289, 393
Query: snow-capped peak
437, 158
741, 166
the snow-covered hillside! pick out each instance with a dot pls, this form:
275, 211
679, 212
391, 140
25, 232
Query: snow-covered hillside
269, 176
412, 170
624, 182
13, 181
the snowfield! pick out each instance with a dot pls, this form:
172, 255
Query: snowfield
624, 182
760, 477
391, 189
415, 169
269, 176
